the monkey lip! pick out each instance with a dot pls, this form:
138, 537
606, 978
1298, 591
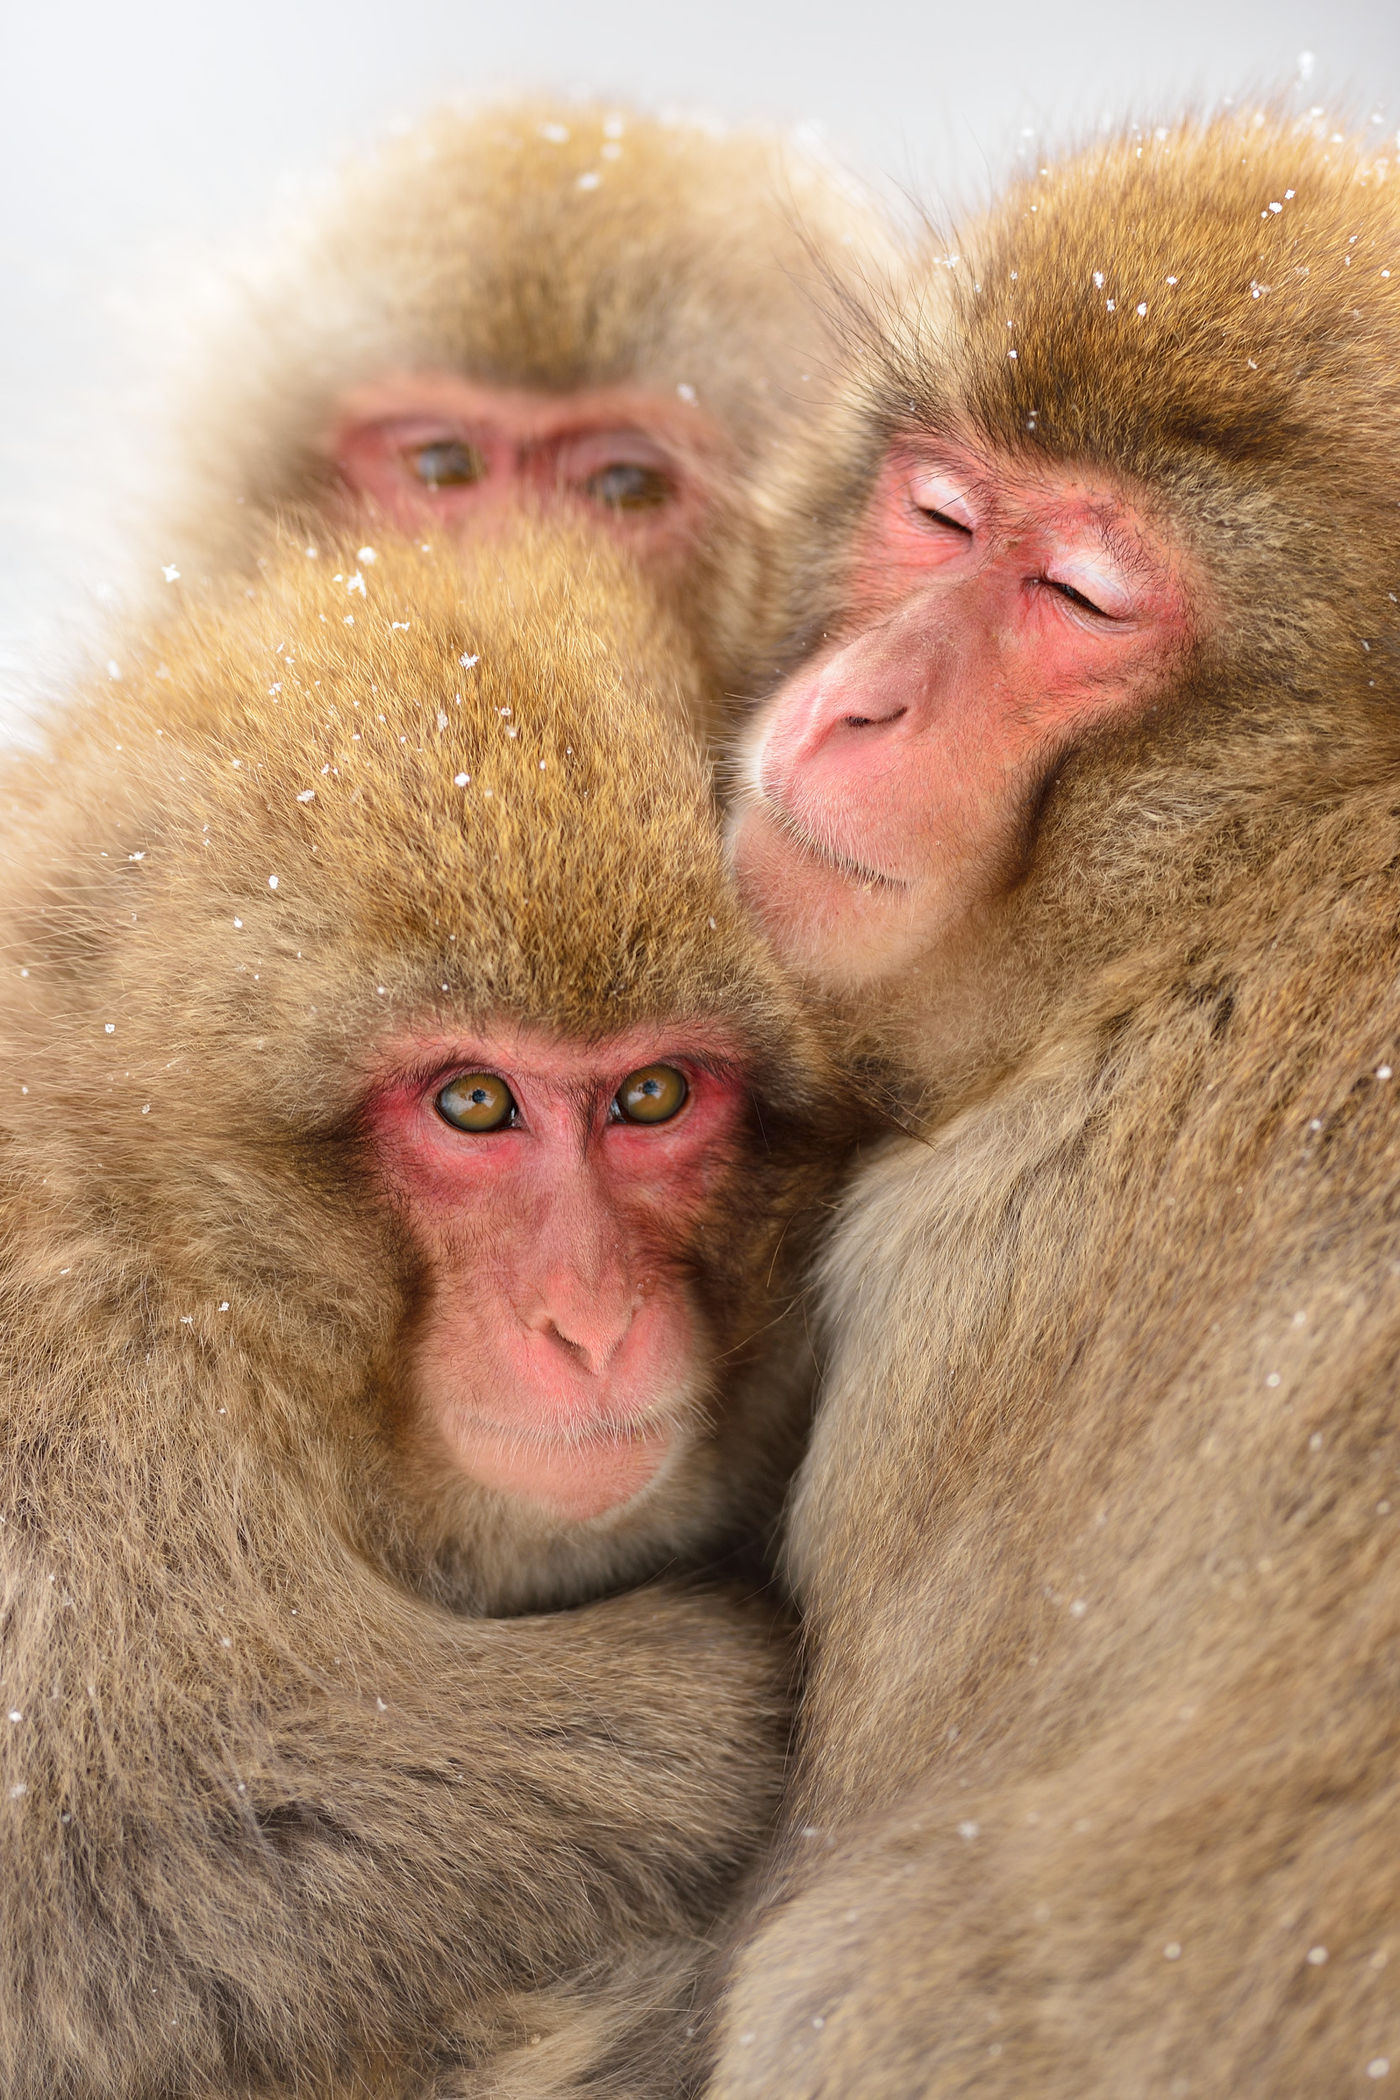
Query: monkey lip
522, 1413
783, 819
577, 1477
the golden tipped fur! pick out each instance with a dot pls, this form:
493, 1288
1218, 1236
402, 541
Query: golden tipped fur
1097, 1539
273, 1818
548, 246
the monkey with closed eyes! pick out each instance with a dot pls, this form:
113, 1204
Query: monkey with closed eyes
1084, 814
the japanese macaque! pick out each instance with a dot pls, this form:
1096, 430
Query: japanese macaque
407, 1163
538, 306
1087, 809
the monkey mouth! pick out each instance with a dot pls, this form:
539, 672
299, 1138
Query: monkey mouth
578, 1462
580, 1473
766, 804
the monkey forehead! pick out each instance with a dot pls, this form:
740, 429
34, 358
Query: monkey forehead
372, 675
509, 759
1157, 304
525, 188
408, 787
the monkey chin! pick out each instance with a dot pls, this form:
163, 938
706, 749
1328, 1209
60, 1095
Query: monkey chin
579, 1479
839, 924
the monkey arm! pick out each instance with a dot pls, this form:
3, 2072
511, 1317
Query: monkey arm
630, 2028
277, 1822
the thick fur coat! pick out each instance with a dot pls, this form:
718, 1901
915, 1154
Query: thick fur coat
277, 1814
1097, 1787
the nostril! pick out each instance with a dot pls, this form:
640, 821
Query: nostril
592, 1355
560, 1340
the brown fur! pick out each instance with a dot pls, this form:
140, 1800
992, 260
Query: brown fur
469, 246
274, 1816
1098, 1783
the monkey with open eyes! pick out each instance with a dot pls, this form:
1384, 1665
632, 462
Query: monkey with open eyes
1086, 814
536, 306
408, 1156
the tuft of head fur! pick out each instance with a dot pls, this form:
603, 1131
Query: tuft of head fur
546, 246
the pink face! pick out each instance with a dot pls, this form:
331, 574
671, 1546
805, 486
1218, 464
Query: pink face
429, 450
996, 617
555, 1194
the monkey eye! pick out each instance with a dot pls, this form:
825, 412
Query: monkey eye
942, 502
1093, 584
626, 486
448, 463
1067, 590
652, 1095
477, 1101
941, 517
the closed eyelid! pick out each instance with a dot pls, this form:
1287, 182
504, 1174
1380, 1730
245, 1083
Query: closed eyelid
1099, 581
942, 493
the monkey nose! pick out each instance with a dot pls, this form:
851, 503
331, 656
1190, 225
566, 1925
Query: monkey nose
589, 1335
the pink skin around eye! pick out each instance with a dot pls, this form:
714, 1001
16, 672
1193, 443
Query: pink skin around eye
943, 494
891, 781
557, 1355
535, 450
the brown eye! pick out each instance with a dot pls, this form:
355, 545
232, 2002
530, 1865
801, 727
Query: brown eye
449, 464
653, 1095
626, 487
477, 1101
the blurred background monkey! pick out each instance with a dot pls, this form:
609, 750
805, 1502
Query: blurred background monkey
537, 306
408, 1154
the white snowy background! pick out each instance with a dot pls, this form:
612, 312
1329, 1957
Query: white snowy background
138, 141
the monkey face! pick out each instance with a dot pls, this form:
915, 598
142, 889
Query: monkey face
555, 1193
430, 892
433, 451
995, 619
